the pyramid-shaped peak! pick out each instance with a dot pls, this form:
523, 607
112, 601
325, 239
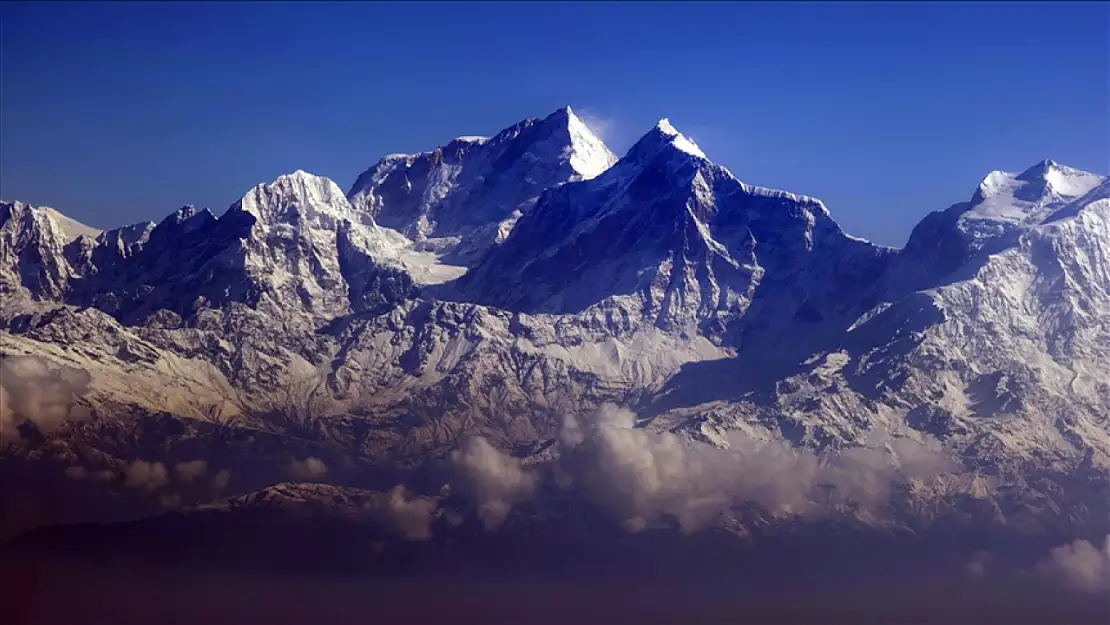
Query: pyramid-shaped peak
666, 127
664, 136
589, 156
679, 140
563, 114
1039, 170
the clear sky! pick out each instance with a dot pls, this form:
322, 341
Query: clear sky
120, 112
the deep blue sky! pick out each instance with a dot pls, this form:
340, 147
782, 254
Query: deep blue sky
115, 113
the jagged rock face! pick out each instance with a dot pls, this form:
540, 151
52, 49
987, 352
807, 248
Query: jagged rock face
670, 238
291, 251
464, 196
188, 262
32, 263
1003, 364
104, 252
373, 285
277, 248
1023, 339
660, 282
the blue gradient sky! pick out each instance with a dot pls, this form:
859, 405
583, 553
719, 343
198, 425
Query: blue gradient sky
115, 113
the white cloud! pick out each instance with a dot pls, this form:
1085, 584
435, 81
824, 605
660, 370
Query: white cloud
638, 476
146, 475
33, 389
1080, 565
410, 515
978, 565
307, 470
77, 473
191, 470
220, 482
494, 481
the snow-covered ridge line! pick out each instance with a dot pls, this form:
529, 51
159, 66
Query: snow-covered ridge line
476, 140
718, 305
463, 197
679, 140
1028, 197
70, 228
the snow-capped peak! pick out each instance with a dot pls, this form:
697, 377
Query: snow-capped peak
1031, 196
588, 155
662, 137
32, 240
678, 139
71, 227
1040, 169
474, 188
299, 193
1067, 181
66, 227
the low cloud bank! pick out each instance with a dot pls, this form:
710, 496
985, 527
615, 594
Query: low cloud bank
191, 470
492, 479
635, 475
1077, 566
81, 473
408, 514
146, 475
307, 470
979, 564
220, 482
34, 390
1080, 565
639, 477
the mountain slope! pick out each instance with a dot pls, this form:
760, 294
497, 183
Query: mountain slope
1004, 206
464, 196
667, 236
294, 325
32, 244
283, 246
1002, 362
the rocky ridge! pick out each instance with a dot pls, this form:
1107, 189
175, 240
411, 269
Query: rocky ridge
339, 325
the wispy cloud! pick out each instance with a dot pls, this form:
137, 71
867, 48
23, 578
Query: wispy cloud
307, 470
604, 126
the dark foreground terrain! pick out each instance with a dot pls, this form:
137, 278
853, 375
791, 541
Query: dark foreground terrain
157, 571
49, 594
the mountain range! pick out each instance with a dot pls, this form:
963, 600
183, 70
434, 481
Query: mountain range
526, 330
